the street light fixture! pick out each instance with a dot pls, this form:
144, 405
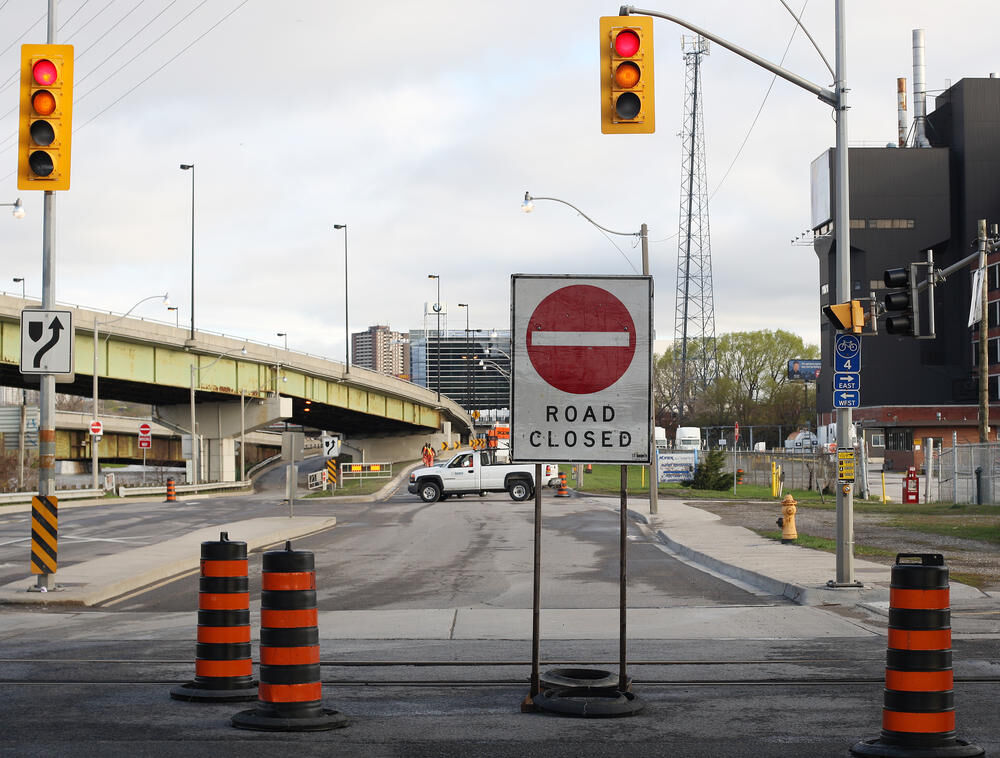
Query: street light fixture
186, 167
20, 279
437, 310
285, 335
528, 205
194, 437
94, 446
16, 205
347, 333
177, 315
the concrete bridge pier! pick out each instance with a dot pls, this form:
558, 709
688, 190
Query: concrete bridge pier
219, 424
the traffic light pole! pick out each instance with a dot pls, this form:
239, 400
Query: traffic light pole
837, 99
47, 386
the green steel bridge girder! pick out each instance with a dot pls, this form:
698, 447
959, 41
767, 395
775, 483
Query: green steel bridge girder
149, 362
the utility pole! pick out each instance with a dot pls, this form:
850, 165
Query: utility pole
984, 330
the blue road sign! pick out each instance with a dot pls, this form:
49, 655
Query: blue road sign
846, 382
847, 399
847, 354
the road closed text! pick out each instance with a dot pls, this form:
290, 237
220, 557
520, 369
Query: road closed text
599, 437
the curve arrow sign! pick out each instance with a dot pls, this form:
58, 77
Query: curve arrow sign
56, 327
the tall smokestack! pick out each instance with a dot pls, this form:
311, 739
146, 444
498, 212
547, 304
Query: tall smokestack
901, 110
919, 91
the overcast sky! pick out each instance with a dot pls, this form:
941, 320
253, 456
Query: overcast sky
421, 125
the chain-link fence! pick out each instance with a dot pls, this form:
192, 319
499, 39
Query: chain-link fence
960, 474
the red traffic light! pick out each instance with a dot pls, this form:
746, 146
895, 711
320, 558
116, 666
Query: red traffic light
44, 72
626, 43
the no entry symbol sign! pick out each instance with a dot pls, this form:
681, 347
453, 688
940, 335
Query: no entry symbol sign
581, 379
581, 339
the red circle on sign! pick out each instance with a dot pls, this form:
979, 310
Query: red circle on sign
145, 428
581, 339
96, 427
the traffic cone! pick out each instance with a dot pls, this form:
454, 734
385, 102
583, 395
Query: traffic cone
290, 693
223, 667
918, 708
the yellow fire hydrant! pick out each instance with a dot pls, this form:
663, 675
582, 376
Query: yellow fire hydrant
787, 520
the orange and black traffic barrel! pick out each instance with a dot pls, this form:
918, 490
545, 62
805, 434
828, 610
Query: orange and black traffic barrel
290, 695
171, 492
223, 666
562, 491
918, 706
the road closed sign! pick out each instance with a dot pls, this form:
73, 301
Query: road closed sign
581, 368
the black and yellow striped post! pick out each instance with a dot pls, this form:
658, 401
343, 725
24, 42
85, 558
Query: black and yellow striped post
331, 473
44, 534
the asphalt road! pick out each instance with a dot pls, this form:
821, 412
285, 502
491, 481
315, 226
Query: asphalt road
468, 552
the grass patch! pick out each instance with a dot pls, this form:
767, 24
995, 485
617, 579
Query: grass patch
605, 479
973, 580
352, 487
828, 545
952, 527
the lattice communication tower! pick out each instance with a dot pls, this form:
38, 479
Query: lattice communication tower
694, 320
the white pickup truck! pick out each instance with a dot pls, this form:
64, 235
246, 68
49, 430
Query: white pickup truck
477, 473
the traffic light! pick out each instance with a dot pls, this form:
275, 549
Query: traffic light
848, 317
45, 126
901, 304
627, 102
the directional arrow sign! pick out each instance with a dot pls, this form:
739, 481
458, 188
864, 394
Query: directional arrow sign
847, 399
847, 381
46, 342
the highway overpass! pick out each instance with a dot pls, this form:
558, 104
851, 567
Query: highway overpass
145, 361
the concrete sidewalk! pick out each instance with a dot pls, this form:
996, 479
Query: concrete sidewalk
92, 582
798, 573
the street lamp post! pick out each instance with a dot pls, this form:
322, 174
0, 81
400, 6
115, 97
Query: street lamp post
285, 335
643, 234
468, 366
18, 211
196, 368
437, 310
24, 394
94, 446
177, 315
186, 167
837, 99
347, 333
20, 280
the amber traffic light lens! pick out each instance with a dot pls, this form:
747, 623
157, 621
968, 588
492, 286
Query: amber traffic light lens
43, 102
627, 75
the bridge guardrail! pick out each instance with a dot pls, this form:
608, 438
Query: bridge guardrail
162, 489
25, 497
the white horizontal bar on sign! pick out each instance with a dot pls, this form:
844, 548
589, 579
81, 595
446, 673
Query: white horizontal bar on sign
580, 339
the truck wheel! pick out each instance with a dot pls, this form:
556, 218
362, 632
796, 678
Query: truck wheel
429, 492
519, 490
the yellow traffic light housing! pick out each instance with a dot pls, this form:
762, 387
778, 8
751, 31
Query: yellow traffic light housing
627, 102
45, 124
847, 317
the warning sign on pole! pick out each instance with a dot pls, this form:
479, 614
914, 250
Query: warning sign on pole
581, 368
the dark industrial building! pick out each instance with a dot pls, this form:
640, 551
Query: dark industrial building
904, 202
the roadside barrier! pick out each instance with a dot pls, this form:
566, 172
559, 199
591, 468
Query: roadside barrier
223, 667
289, 698
918, 711
562, 491
171, 491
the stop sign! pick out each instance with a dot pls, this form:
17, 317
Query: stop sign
145, 429
581, 339
96, 427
